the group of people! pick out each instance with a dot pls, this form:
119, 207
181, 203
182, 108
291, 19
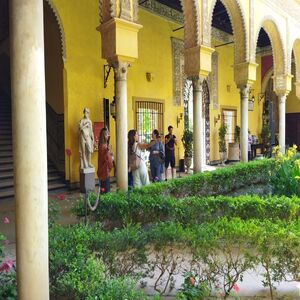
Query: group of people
160, 158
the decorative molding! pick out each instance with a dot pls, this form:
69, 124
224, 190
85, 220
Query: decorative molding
179, 76
61, 30
164, 11
212, 81
125, 10
251, 33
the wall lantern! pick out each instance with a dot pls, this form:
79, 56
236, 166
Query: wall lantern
179, 118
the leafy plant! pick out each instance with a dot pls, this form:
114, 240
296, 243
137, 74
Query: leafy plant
187, 140
222, 140
265, 135
237, 133
192, 288
285, 177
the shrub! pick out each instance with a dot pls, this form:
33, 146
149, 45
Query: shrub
117, 210
219, 253
285, 177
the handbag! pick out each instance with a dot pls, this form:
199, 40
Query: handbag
134, 160
161, 157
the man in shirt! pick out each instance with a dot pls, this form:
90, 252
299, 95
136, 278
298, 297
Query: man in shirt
170, 143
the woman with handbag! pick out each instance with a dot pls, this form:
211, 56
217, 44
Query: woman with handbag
136, 163
156, 157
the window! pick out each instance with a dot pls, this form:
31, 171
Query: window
149, 116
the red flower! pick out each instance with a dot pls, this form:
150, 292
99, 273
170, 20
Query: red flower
61, 197
69, 152
192, 281
102, 190
236, 288
6, 265
6, 220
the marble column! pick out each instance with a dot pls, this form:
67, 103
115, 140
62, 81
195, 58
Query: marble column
198, 128
29, 148
282, 101
244, 94
120, 70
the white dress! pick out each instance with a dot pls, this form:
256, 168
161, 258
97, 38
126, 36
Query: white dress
140, 175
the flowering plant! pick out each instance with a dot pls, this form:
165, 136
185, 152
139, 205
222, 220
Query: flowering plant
193, 288
8, 282
285, 177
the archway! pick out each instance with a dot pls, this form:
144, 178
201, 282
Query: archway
238, 28
54, 97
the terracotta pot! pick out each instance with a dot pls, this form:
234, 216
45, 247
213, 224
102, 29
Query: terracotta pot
223, 157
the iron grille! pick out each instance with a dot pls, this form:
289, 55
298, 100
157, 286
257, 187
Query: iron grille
149, 116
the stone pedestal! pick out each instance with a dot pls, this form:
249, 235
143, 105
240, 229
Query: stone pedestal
87, 180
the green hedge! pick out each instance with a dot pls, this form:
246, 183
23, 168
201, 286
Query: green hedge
116, 210
218, 182
77, 252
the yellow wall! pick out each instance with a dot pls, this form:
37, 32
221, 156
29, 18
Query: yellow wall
83, 76
293, 103
229, 97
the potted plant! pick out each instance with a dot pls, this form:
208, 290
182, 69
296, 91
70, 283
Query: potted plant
187, 141
222, 143
234, 148
265, 137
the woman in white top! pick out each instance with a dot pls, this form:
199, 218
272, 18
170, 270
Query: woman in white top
140, 175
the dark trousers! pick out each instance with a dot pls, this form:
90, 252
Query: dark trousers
249, 155
105, 185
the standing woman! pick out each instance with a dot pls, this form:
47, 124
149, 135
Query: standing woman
140, 172
105, 160
156, 154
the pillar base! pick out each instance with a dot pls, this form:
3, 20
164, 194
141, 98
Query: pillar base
87, 180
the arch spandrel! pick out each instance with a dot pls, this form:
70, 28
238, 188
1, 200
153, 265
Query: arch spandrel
192, 28
238, 23
61, 29
296, 51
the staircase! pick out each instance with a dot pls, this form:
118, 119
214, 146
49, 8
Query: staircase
55, 181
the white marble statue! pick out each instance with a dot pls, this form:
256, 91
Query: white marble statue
86, 140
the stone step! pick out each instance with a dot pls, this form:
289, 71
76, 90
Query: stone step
6, 154
53, 180
6, 174
6, 147
6, 160
6, 167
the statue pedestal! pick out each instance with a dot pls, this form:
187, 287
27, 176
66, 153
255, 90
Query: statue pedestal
87, 180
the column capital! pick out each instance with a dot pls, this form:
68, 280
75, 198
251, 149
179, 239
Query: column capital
245, 73
120, 69
297, 86
197, 82
197, 61
244, 90
282, 84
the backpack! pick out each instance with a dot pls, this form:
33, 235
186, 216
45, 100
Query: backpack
134, 160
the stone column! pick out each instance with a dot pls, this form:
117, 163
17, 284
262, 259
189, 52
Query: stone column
244, 93
198, 131
120, 70
282, 101
29, 148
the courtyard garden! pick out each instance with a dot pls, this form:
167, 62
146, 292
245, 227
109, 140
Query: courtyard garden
188, 238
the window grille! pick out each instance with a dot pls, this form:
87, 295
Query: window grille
229, 119
149, 116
